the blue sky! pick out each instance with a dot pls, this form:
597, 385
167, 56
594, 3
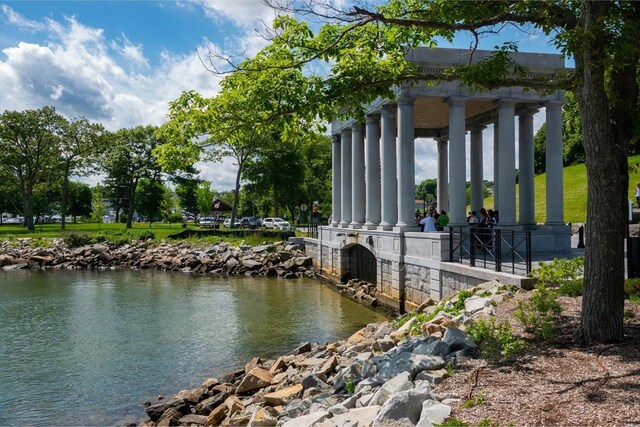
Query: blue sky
121, 62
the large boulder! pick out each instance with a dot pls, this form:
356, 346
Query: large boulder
433, 413
256, 379
155, 411
282, 396
402, 409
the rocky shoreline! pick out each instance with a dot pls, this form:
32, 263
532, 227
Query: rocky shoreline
270, 260
382, 375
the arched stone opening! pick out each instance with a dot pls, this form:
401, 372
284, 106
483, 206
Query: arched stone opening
358, 262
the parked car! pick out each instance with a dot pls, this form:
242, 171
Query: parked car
276, 223
249, 222
227, 223
206, 222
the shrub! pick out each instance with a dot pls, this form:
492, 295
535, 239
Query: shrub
554, 273
123, 218
174, 218
572, 288
453, 422
539, 313
73, 240
631, 287
462, 297
496, 340
629, 314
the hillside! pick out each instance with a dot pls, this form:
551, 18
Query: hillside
575, 193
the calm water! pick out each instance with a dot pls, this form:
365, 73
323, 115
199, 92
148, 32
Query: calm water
87, 348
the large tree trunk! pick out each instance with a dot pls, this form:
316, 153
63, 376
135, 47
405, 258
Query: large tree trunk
236, 196
28, 217
607, 181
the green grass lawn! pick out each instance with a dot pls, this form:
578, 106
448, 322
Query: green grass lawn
575, 193
160, 230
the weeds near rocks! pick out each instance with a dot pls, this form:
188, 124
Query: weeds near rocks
556, 272
496, 340
462, 297
632, 288
39, 242
452, 422
629, 314
350, 387
451, 368
476, 400
488, 422
539, 313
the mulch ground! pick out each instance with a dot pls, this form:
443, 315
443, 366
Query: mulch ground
554, 385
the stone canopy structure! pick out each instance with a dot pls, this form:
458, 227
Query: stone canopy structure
373, 234
445, 112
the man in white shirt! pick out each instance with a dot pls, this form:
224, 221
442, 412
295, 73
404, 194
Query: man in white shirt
429, 223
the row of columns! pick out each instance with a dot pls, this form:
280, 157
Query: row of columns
384, 182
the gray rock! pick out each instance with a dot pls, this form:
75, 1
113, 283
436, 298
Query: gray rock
303, 348
261, 249
402, 409
456, 339
433, 412
251, 264
193, 419
433, 377
434, 348
475, 303
400, 382
307, 420
155, 411
313, 381
360, 417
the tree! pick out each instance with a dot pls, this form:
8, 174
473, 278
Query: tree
81, 146
205, 197
151, 195
187, 193
253, 110
98, 206
79, 199
129, 159
366, 48
29, 151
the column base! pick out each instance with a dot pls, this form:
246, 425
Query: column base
370, 226
356, 225
385, 226
344, 224
404, 228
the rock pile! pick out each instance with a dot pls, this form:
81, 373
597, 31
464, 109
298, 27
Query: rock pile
280, 259
380, 376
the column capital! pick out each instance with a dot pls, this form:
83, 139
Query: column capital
373, 118
442, 139
456, 101
336, 138
477, 128
389, 108
405, 100
555, 104
346, 131
527, 111
505, 103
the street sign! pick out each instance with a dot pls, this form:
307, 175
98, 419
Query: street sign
303, 207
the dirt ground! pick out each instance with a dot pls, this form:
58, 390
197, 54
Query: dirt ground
558, 385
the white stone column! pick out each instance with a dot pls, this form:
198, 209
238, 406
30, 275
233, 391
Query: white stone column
357, 183
526, 169
443, 174
406, 165
388, 167
477, 195
346, 177
496, 165
458, 161
555, 194
507, 162
336, 189
372, 168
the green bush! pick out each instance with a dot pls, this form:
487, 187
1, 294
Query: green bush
572, 288
631, 287
539, 313
496, 340
554, 273
174, 218
452, 422
74, 240
123, 218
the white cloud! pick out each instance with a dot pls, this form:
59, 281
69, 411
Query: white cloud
80, 73
245, 13
19, 21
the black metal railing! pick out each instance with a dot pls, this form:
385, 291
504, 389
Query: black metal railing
491, 247
312, 229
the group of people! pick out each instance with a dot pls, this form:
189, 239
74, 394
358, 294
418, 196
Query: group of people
434, 221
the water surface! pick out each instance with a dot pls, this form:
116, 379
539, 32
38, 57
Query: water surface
87, 348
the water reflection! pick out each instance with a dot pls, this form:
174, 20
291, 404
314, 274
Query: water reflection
79, 348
